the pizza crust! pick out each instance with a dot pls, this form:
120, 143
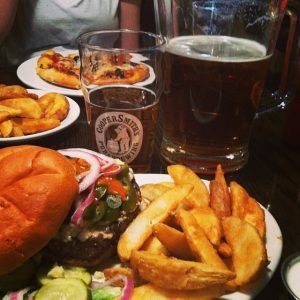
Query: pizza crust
56, 77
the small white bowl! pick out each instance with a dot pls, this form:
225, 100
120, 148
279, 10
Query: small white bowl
290, 274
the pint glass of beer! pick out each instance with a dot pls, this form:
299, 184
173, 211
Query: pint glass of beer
121, 82
216, 61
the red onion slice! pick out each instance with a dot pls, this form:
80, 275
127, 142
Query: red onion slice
95, 169
17, 295
105, 159
116, 170
128, 288
77, 215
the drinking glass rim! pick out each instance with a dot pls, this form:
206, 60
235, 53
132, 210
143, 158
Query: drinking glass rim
122, 86
161, 38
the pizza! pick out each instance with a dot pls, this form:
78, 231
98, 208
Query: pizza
109, 68
58, 69
99, 68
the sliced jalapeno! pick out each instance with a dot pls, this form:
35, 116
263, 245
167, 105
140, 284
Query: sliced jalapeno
100, 191
100, 210
110, 216
113, 201
131, 202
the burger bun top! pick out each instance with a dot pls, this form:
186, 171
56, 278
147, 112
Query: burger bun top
37, 189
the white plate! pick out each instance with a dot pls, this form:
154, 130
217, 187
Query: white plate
72, 116
27, 74
273, 244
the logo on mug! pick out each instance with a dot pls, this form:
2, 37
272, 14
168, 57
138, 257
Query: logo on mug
119, 135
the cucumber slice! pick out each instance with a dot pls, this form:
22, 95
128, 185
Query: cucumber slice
48, 273
64, 289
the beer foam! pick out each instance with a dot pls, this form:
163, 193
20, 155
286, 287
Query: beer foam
217, 48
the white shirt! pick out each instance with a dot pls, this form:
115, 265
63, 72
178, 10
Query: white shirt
41, 24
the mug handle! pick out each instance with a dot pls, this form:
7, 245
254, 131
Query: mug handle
288, 49
283, 84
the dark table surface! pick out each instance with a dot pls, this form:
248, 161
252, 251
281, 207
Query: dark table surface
272, 174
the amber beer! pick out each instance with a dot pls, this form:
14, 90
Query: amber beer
123, 123
213, 88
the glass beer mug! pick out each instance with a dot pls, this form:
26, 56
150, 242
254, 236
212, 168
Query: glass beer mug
216, 61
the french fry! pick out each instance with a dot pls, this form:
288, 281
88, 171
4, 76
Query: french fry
174, 241
209, 222
153, 245
197, 241
152, 292
141, 227
173, 273
249, 255
182, 175
247, 208
153, 190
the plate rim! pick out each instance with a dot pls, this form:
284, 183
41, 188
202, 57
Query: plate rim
64, 124
275, 237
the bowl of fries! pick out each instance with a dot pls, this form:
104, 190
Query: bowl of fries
28, 114
196, 239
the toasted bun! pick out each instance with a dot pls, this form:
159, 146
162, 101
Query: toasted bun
37, 188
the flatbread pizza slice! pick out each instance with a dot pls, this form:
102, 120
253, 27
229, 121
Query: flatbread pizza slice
114, 68
58, 69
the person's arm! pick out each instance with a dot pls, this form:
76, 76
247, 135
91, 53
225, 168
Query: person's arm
130, 14
8, 9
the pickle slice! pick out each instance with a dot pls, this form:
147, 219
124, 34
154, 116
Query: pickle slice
63, 288
48, 273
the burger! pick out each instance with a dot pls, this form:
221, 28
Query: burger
69, 206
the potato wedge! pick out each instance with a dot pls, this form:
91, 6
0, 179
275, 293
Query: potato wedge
29, 107
249, 254
174, 241
153, 190
152, 292
6, 128
197, 241
30, 126
182, 175
15, 91
224, 250
209, 222
54, 106
173, 273
141, 227
154, 245
247, 208
220, 200
239, 198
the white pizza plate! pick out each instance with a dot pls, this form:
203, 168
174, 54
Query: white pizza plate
273, 244
72, 116
26, 72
